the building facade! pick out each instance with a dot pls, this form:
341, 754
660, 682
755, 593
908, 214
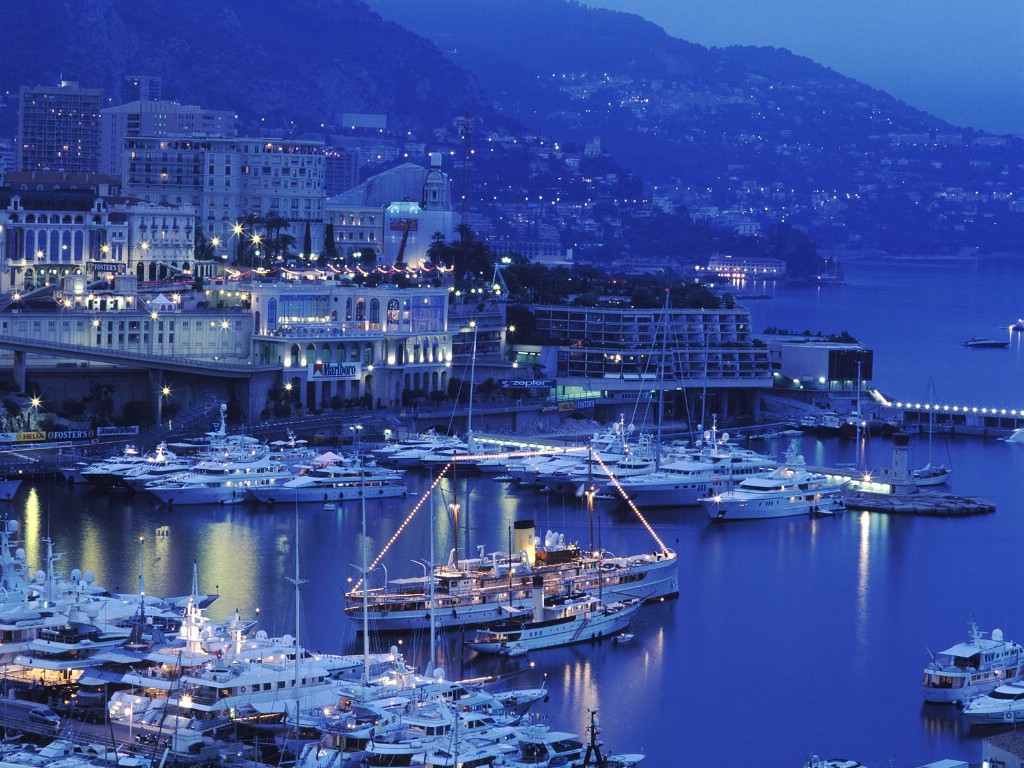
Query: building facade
394, 214
230, 180
377, 345
631, 352
55, 225
155, 119
59, 128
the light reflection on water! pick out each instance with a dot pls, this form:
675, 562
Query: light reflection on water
795, 610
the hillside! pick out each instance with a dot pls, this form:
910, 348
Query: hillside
301, 62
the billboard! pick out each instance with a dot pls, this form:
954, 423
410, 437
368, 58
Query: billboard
334, 371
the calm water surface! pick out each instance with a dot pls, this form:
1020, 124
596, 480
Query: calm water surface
789, 637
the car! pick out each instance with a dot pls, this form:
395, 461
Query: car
44, 716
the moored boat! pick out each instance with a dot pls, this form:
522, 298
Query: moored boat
553, 623
973, 667
475, 591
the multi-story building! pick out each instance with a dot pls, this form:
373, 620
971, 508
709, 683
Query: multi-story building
395, 213
155, 119
140, 88
619, 351
341, 170
358, 343
54, 225
229, 179
59, 128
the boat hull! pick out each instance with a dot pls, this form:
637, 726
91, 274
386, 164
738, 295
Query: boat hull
325, 494
648, 577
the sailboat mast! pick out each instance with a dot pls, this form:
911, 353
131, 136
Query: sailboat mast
296, 582
366, 586
590, 493
661, 378
472, 379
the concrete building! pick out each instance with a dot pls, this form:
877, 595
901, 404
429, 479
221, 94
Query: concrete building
155, 119
626, 352
140, 88
341, 170
334, 339
59, 128
395, 213
56, 225
229, 179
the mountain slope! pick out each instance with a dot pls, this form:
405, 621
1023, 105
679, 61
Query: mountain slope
305, 61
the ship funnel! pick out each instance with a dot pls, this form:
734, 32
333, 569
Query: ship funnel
523, 540
538, 598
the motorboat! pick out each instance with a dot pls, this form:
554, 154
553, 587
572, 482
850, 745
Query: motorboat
219, 482
537, 746
481, 590
784, 492
329, 479
980, 343
973, 668
554, 622
1018, 326
1003, 706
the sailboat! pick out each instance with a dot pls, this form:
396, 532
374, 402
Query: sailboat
930, 474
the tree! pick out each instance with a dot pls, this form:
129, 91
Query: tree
307, 242
330, 247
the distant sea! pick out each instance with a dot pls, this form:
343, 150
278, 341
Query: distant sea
790, 637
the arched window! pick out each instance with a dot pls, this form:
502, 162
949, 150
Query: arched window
360, 309
54, 252
348, 308
79, 246
374, 312
368, 354
272, 315
393, 312
295, 355
30, 244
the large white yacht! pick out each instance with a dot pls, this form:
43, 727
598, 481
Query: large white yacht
480, 590
219, 482
330, 478
972, 668
553, 623
784, 492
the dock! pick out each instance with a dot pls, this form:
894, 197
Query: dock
922, 503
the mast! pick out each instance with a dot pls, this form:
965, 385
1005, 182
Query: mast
590, 493
661, 378
365, 543
296, 581
430, 567
470, 446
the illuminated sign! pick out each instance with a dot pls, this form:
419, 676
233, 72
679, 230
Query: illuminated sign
334, 371
116, 431
528, 383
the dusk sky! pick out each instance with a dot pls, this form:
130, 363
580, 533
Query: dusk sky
961, 60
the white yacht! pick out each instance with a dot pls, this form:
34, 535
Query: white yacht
219, 482
972, 668
553, 623
333, 480
1003, 706
784, 492
480, 590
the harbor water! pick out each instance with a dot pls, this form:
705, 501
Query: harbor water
789, 637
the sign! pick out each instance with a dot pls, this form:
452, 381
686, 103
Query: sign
30, 437
69, 434
104, 266
116, 431
334, 371
404, 225
528, 383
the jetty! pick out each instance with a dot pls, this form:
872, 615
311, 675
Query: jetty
893, 490
921, 503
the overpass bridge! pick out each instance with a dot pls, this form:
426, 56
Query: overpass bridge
156, 365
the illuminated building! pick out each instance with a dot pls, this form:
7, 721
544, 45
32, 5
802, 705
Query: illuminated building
59, 128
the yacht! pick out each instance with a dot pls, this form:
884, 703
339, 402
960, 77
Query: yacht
986, 343
972, 668
219, 482
784, 492
333, 480
481, 590
1003, 706
553, 623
